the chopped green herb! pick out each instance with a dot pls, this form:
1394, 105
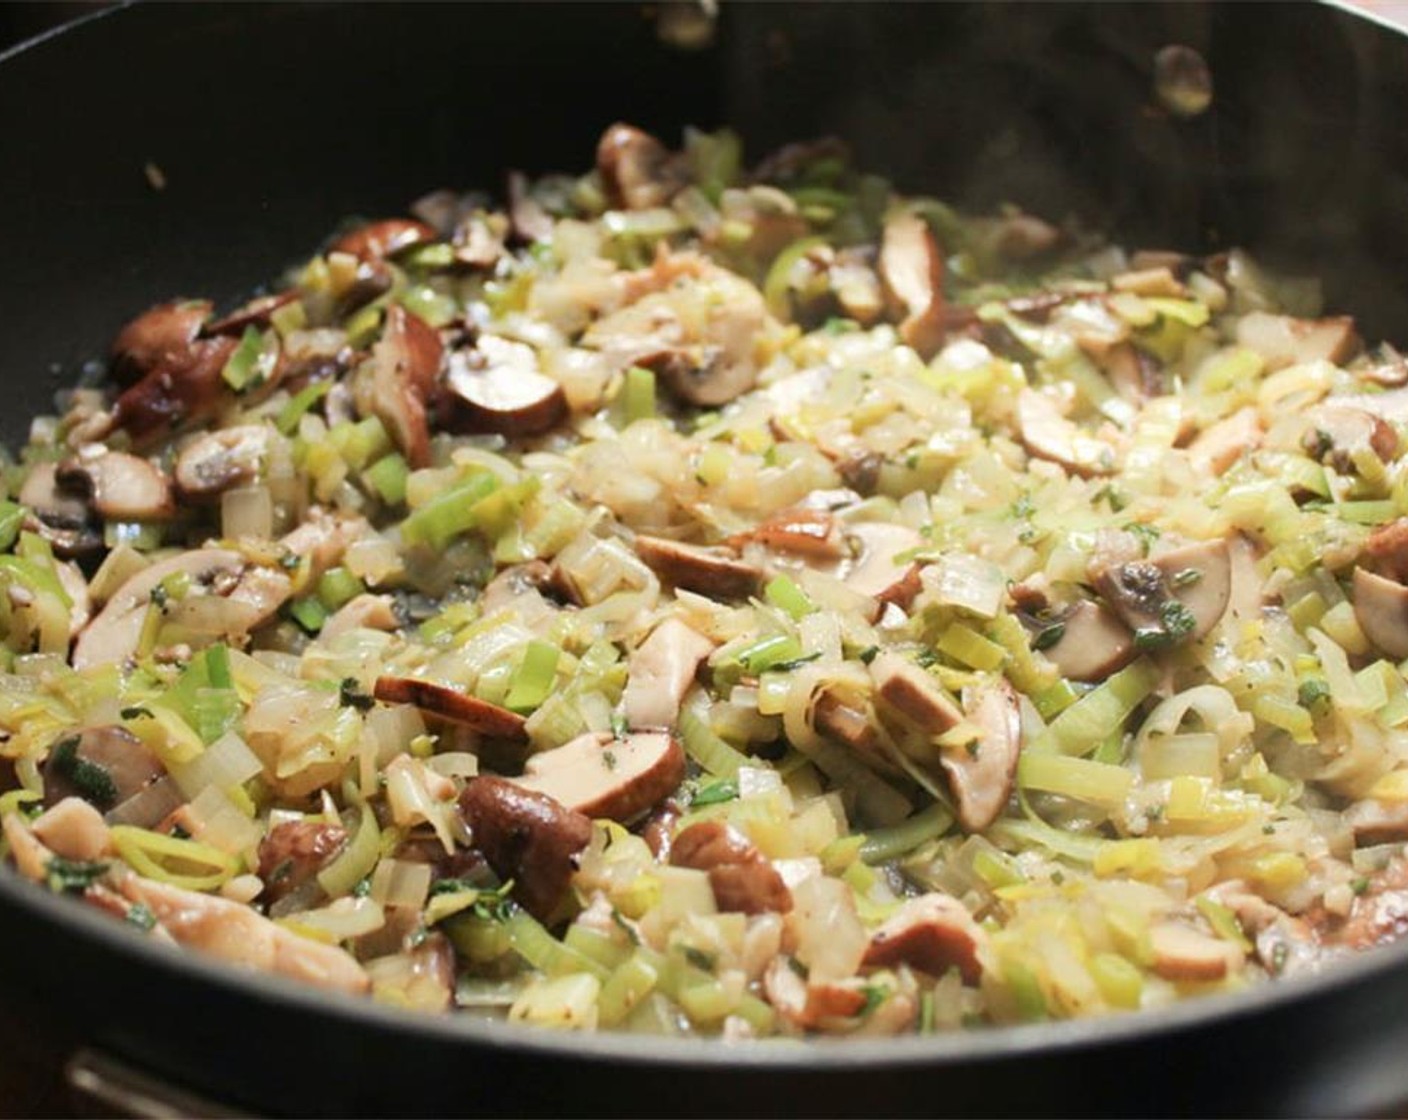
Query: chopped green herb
351, 695
875, 995
93, 782
698, 958
1359, 885
1185, 577
141, 916
869, 654
1048, 636
716, 793
1312, 692
73, 875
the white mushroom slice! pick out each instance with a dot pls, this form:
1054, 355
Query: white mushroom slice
366, 612
1335, 432
856, 286
222, 459
1183, 953
74, 829
980, 774
1047, 434
606, 777
41, 493
932, 933
1283, 340
661, 670
113, 635
1381, 609
452, 704
848, 725
507, 395
913, 694
233, 932
121, 487
912, 267
705, 571
1093, 643
1197, 577
388, 393
1378, 822
877, 570
1220, 445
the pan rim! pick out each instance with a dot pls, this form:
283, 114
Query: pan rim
1047, 1038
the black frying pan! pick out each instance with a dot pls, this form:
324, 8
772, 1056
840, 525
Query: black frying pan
272, 124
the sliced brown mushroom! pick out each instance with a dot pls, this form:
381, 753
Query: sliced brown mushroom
856, 286
1183, 953
909, 691
498, 387
809, 1004
104, 765
1021, 237
378, 240
452, 704
113, 635
1335, 432
1284, 340
603, 776
121, 487
1046, 434
399, 379
932, 933
877, 569
530, 222
743, 880
295, 851
255, 313
706, 571
1093, 642
912, 267
809, 532
59, 516
1386, 550
660, 671
637, 171
182, 389
980, 774
160, 336
700, 375
1220, 445
845, 723
1381, 609
220, 460
1179, 596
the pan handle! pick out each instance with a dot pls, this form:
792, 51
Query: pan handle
101, 1085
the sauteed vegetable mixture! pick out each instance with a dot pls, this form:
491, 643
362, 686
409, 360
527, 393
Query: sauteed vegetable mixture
690, 600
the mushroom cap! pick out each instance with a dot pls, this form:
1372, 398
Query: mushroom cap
376, 241
706, 571
121, 487
1381, 609
508, 395
452, 704
1093, 644
1284, 340
220, 460
1047, 434
912, 268
981, 779
602, 776
156, 337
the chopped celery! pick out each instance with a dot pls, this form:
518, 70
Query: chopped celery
1120, 983
533, 679
767, 653
356, 860
777, 285
1099, 713
337, 586
1096, 782
448, 515
884, 844
970, 648
638, 396
252, 361
423, 301
784, 594
11, 519
387, 476
706, 748
309, 613
543, 951
299, 404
